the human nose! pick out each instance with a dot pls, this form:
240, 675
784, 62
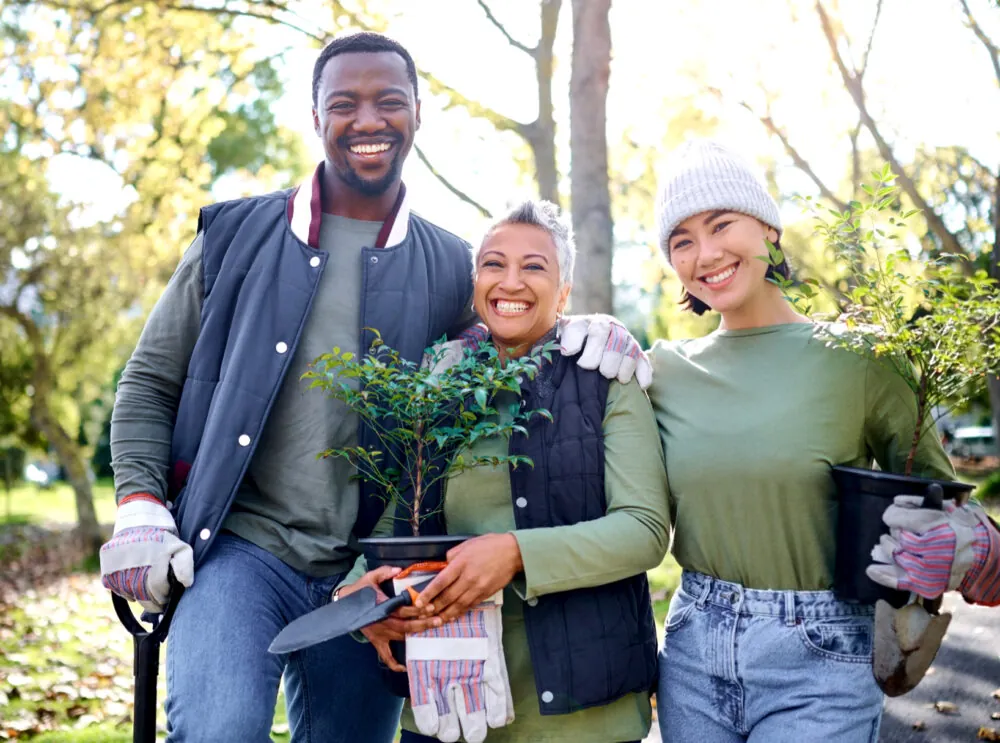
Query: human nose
368, 119
511, 280
710, 252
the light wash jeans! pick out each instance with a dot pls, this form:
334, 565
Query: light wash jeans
739, 664
222, 684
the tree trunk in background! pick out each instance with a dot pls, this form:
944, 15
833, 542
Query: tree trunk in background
589, 190
542, 133
71, 458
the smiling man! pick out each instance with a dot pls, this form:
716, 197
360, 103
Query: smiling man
215, 436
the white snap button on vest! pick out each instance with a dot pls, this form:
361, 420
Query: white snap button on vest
170, 505
205, 534
521, 502
532, 601
374, 259
281, 347
314, 261
547, 696
244, 440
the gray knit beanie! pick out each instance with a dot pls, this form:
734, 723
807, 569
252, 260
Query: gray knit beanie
705, 176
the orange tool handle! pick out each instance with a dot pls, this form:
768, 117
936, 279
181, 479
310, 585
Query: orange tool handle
422, 567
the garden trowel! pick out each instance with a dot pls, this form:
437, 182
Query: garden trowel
349, 614
907, 639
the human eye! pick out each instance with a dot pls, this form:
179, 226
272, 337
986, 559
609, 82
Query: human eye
681, 244
721, 225
340, 106
490, 263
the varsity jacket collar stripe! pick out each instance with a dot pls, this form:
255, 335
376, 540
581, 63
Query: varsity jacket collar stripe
305, 212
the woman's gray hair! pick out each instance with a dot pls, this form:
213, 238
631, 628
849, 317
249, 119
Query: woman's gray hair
546, 215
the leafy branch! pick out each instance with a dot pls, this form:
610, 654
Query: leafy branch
426, 416
934, 322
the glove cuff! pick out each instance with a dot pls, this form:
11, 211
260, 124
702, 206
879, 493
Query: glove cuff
143, 509
981, 584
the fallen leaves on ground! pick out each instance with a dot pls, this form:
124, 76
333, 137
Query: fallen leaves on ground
988, 734
946, 708
66, 660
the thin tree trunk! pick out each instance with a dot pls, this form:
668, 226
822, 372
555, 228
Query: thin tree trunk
71, 458
543, 133
589, 189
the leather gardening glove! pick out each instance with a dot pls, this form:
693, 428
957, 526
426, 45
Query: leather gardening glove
927, 551
458, 674
145, 545
607, 346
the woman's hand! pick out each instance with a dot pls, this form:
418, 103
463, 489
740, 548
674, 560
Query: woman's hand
396, 626
476, 570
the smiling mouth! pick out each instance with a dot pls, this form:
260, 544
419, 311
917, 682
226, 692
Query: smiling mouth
719, 277
510, 308
370, 149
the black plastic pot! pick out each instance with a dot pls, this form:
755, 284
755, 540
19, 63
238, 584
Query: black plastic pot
402, 552
863, 496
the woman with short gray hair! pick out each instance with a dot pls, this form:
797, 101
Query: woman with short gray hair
567, 541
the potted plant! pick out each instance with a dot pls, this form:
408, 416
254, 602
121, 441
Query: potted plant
936, 323
424, 416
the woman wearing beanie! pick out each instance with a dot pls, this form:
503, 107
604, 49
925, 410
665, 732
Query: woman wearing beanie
751, 417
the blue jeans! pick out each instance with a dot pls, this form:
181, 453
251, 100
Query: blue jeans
222, 684
766, 666
409, 737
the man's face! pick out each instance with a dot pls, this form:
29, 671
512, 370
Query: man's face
366, 114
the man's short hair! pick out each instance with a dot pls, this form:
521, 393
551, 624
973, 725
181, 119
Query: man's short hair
364, 42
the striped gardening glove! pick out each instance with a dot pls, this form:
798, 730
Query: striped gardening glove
982, 583
458, 675
607, 346
143, 548
928, 552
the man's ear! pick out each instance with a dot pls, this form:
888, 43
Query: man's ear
316, 128
418, 114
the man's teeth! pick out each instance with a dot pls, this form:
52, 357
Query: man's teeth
511, 308
719, 277
370, 149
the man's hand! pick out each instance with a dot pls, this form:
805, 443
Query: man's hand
477, 569
607, 346
143, 550
396, 627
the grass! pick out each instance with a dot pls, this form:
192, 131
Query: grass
29, 504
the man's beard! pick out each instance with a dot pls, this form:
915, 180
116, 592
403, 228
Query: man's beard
366, 187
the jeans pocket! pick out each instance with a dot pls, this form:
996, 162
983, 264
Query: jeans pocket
682, 606
847, 639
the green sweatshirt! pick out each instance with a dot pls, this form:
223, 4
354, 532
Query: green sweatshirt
751, 422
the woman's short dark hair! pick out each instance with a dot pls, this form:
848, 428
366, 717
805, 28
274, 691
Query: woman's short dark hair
698, 307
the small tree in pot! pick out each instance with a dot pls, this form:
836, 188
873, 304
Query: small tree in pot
419, 412
935, 323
